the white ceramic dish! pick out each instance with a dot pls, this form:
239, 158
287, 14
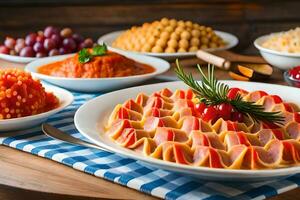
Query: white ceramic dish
231, 39
90, 118
98, 84
282, 60
17, 59
65, 99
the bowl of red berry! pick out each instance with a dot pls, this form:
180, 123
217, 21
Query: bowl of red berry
52, 41
292, 76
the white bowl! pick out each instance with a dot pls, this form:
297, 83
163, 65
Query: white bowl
17, 59
65, 99
91, 117
231, 40
282, 60
98, 84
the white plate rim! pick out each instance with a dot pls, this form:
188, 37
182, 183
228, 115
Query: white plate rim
32, 69
17, 59
257, 43
49, 88
232, 44
179, 167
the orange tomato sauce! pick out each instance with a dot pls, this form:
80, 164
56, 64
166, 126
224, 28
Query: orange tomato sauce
109, 65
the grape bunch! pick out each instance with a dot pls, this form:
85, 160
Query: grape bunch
50, 42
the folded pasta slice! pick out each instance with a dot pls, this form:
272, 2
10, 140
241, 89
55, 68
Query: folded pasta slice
221, 125
293, 130
141, 99
157, 102
191, 123
156, 112
165, 134
210, 139
152, 123
121, 112
291, 152
129, 137
119, 125
183, 94
132, 105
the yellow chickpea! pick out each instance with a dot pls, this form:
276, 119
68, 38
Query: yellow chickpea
195, 41
169, 29
185, 35
151, 41
208, 29
193, 49
173, 22
174, 36
183, 43
203, 33
156, 33
165, 35
201, 28
189, 24
170, 50
146, 48
196, 26
164, 21
181, 50
161, 42
172, 43
157, 49
204, 40
181, 23
195, 33
179, 30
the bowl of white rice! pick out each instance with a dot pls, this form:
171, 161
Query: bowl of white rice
280, 49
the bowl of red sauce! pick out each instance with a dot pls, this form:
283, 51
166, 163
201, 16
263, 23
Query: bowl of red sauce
292, 76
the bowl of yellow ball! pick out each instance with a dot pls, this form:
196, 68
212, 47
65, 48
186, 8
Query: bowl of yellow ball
169, 39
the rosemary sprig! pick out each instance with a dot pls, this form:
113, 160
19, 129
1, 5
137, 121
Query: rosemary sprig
212, 92
85, 56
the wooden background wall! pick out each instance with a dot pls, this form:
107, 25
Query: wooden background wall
246, 19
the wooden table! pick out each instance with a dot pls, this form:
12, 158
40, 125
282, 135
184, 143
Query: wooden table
25, 176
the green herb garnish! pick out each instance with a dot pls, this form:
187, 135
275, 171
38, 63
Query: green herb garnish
85, 56
212, 92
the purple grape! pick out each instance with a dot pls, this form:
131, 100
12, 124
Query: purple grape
53, 52
20, 41
78, 38
27, 52
49, 31
4, 49
40, 38
10, 42
81, 46
69, 44
38, 47
40, 55
62, 51
30, 39
49, 44
88, 42
19, 46
56, 38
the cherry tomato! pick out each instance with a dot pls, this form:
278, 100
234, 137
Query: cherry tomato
209, 113
237, 116
295, 72
200, 107
277, 99
224, 110
232, 93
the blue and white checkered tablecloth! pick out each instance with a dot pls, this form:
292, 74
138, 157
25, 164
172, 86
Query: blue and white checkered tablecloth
132, 173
